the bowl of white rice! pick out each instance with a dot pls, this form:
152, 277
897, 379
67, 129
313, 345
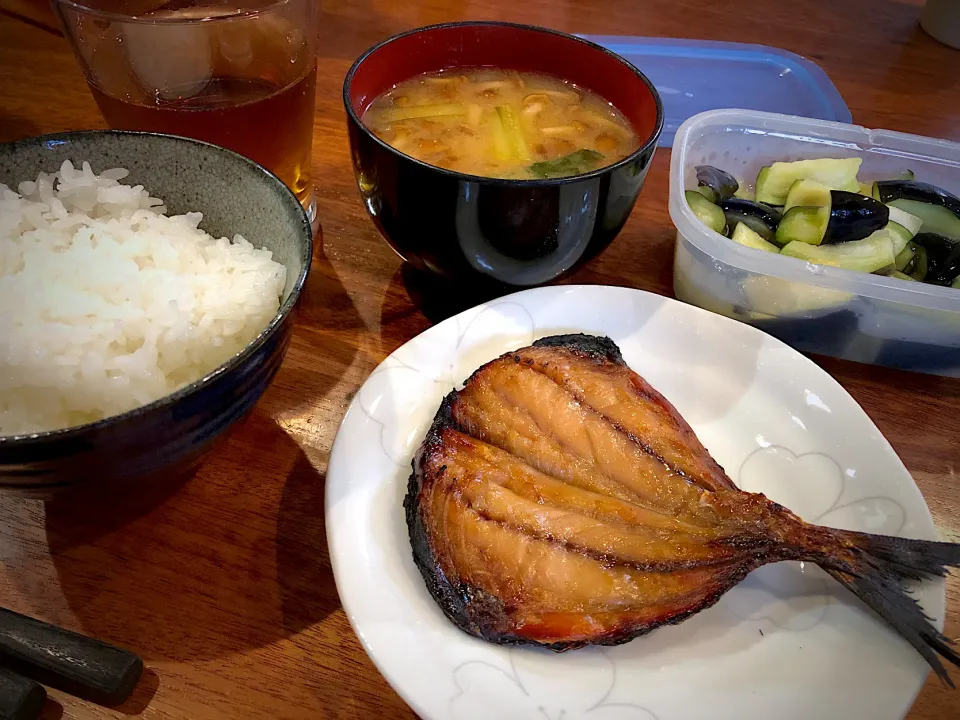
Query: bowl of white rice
148, 287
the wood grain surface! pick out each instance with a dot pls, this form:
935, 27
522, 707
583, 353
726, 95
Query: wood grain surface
223, 583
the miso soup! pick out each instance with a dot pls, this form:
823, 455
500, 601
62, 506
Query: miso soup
501, 124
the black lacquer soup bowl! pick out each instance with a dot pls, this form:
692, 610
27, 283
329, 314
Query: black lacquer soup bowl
513, 232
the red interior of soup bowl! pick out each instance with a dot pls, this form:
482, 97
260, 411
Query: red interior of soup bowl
513, 47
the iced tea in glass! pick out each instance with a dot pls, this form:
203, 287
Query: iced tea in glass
239, 74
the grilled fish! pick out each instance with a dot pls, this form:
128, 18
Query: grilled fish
559, 500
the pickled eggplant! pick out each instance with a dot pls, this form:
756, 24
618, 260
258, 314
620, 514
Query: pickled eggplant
721, 183
709, 214
899, 234
817, 215
745, 236
909, 222
948, 271
916, 266
820, 211
760, 218
943, 257
706, 192
906, 256
888, 190
938, 246
867, 255
934, 218
774, 181
807, 193
854, 217
803, 223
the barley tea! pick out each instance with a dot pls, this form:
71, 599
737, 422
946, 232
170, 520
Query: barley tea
241, 79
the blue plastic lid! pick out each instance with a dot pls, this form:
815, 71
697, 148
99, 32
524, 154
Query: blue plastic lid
697, 75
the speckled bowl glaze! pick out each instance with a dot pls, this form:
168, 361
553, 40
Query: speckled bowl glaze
166, 438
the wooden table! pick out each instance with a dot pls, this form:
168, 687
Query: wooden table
224, 586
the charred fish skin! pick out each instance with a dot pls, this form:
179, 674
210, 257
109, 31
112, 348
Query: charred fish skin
471, 609
559, 500
597, 346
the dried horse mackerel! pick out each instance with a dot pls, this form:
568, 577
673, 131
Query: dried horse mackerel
559, 500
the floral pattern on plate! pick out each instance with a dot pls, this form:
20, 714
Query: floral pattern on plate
524, 691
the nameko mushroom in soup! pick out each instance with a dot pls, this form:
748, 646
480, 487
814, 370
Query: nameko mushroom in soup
501, 124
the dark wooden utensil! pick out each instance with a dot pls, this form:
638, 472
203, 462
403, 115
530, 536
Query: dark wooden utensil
66, 660
20, 697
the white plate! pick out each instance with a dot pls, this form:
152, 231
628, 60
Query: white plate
789, 642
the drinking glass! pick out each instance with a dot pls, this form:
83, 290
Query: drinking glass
236, 73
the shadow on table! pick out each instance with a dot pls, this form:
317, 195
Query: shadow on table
235, 560
323, 345
412, 292
51, 710
142, 694
307, 589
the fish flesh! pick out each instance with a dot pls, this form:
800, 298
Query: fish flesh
559, 500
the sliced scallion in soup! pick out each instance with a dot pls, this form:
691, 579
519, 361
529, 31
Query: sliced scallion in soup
501, 124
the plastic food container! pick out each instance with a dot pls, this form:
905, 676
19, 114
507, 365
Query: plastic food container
693, 76
817, 309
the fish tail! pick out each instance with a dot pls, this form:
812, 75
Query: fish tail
906, 558
875, 568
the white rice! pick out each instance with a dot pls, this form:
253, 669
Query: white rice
107, 304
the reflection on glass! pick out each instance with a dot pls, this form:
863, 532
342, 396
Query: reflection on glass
237, 74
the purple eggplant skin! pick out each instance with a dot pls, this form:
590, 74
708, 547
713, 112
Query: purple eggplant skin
853, 217
723, 184
888, 190
943, 258
948, 270
759, 217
